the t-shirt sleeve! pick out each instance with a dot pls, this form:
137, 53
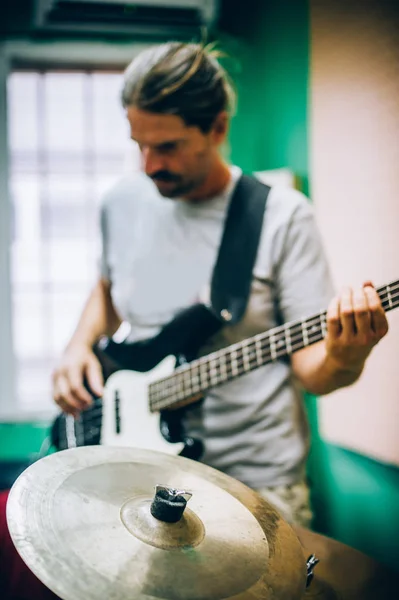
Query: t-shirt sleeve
303, 281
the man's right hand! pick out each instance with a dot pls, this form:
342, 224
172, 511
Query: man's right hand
78, 365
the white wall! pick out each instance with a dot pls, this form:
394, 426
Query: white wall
355, 179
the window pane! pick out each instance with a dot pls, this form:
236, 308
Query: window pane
71, 262
29, 323
34, 385
63, 109
69, 142
65, 306
22, 113
108, 126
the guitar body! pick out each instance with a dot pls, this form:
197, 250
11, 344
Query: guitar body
122, 416
126, 418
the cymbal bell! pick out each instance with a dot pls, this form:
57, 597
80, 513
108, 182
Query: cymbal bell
90, 522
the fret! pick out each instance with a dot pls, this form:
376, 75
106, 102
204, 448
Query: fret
273, 346
259, 354
213, 373
173, 390
187, 383
195, 379
246, 359
203, 374
314, 330
251, 352
167, 391
168, 388
162, 392
304, 333
234, 363
389, 295
385, 300
281, 343
153, 391
287, 333
323, 319
388, 288
223, 367
178, 389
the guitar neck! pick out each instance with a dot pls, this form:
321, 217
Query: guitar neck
192, 380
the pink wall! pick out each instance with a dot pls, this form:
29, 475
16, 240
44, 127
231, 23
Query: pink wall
355, 188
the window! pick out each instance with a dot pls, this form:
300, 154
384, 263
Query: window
68, 143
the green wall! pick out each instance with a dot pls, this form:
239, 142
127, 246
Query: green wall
20, 441
270, 68
356, 499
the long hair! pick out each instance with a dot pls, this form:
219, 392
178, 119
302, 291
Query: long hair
181, 79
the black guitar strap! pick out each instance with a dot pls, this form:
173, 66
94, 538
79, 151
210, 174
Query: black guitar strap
232, 274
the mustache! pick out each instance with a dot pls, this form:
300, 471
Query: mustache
164, 176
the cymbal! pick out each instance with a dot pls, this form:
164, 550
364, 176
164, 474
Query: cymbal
92, 524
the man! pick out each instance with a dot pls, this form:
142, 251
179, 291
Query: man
161, 232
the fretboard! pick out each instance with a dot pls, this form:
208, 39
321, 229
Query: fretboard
195, 378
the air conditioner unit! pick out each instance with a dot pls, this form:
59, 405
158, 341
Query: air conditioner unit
141, 17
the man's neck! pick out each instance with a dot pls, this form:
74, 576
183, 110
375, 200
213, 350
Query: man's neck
214, 184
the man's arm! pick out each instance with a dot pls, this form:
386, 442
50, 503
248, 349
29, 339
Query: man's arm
356, 322
98, 317
78, 361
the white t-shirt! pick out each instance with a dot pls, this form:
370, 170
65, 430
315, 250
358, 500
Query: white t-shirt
159, 255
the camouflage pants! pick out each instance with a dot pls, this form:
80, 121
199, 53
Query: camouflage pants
291, 501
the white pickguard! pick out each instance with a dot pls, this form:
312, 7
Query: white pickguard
138, 427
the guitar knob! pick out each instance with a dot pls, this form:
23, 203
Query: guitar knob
226, 315
310, 565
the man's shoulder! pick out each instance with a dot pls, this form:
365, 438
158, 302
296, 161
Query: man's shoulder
287, 199
287, 209
129, 189
285, 204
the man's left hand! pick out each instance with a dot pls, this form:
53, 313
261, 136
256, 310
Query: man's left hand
356, 322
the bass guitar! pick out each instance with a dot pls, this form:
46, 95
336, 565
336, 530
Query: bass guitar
162, 376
